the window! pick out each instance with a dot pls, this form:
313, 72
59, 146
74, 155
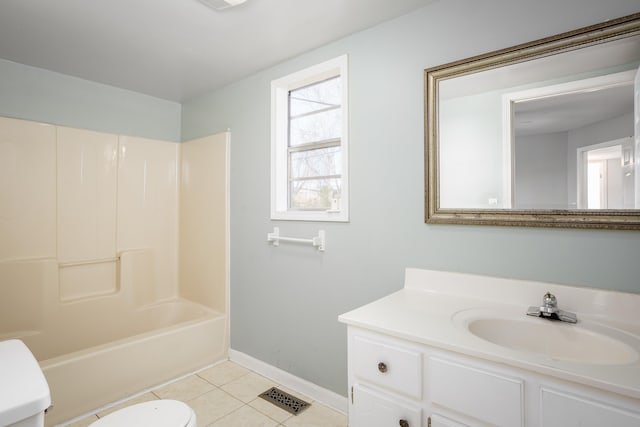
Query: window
309, 179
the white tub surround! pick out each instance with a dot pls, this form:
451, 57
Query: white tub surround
431, 361
114, 258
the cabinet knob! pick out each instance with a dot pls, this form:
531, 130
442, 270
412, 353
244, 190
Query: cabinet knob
382, 367
404, 423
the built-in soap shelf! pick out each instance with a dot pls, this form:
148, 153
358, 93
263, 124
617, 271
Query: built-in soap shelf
88, 261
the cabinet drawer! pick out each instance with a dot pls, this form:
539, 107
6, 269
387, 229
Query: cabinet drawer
565, 410
388, 365
483, 395
372, 409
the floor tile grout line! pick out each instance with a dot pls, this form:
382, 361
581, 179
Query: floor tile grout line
143, 392
249, 372
267, 415
199, 376
220, 387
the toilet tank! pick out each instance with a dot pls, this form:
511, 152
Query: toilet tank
24, 392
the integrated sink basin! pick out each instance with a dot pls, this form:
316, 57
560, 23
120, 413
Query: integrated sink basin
585, 342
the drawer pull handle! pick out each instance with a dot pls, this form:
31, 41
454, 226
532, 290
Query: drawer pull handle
404, 423
382, 367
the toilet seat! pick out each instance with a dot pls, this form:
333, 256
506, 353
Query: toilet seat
156, 413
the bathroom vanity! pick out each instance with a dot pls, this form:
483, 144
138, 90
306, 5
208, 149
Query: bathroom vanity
457, 350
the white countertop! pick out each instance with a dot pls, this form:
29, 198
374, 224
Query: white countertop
425, 311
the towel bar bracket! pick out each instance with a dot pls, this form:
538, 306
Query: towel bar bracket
317, 241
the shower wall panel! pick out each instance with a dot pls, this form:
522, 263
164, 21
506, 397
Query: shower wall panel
27, 190
203, 220
147, 209
87, 183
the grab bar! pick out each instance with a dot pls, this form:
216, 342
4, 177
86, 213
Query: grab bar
317, 241
88, 261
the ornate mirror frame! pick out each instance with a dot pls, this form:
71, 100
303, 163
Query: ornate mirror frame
434, 214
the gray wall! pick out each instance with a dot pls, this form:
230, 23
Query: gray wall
285, 301
541, 171
35, 94
471, 129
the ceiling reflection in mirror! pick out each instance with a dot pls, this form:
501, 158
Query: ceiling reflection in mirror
542, 128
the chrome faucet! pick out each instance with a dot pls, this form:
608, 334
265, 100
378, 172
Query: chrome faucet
549, 309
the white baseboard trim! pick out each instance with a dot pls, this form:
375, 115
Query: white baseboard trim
315, 392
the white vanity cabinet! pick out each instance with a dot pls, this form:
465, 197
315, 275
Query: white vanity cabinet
410, 364
399, 383
394, 382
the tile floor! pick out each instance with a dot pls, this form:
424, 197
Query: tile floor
226, 395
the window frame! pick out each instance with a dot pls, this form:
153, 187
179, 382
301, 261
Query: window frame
280, 149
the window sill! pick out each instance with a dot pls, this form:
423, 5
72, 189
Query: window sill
328, 216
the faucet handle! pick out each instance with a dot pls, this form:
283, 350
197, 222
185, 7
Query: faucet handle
549, 300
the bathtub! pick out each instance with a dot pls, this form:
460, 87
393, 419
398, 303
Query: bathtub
180, 337
99, 349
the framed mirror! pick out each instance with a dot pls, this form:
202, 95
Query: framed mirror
541, 134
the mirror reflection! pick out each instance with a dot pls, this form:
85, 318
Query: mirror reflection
546, 128
528, 133
568, 147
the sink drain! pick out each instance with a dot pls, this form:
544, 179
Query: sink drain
283, 400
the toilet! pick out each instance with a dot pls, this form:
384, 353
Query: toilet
25, 396
156, 413
24, 392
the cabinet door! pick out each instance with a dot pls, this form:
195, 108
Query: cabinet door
492, 398
374, 409
564, 410
440, 421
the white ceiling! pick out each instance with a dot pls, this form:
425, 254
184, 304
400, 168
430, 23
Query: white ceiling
177, 49
572, 111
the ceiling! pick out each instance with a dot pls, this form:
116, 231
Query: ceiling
177, 49
571, 111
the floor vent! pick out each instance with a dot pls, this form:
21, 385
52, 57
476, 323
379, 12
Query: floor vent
285, 401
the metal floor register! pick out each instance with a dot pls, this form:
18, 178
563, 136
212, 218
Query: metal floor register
283, 400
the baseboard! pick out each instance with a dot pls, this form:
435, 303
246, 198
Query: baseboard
314, 391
